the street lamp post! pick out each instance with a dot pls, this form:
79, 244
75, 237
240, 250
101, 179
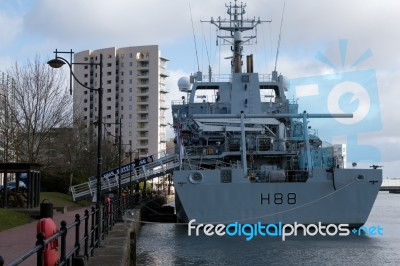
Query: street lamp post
130, 168
5, 127
58, 62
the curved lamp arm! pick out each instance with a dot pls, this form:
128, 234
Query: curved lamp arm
60, 61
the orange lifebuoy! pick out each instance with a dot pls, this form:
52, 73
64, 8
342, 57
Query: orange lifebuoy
49, 228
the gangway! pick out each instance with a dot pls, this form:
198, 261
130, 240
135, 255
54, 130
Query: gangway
143, 170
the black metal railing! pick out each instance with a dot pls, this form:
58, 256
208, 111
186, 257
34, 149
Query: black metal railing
84, 245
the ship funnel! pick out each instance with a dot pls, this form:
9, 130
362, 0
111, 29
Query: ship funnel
274, 75
249, 60
199, 76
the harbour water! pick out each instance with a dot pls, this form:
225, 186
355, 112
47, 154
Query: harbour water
169, 244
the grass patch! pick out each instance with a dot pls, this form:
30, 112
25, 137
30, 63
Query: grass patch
10, 218
60, 199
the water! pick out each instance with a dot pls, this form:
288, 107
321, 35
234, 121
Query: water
169, 244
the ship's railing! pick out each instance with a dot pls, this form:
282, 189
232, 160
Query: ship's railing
228, 78
263, 144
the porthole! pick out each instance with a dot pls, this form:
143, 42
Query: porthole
360, 177
195, 177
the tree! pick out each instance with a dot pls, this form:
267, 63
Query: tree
38, 103
40, 128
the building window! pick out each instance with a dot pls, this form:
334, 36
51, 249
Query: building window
130, 72
109, 64
108, 81
130, 81
108, 116
130, 116
130, 64
108, 90
109, 99
86, 58
130, 98
130, 89
109, 73
108, 107
130, 107
130, 55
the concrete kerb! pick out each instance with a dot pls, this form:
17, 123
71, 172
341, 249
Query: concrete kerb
119, 247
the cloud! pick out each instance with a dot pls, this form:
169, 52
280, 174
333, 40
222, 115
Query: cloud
308, 28
124, 21
10, 27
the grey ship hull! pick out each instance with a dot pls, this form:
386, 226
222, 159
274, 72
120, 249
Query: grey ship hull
346, 197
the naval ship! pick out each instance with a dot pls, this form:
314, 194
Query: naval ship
247, 160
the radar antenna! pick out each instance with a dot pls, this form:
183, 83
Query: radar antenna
236, 25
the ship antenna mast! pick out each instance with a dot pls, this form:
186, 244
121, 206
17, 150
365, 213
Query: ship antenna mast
236, 25
194, 38
209, 65
279, 39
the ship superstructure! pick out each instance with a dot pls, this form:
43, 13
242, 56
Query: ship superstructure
247, 154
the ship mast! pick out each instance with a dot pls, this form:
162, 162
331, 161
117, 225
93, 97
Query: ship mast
236, 25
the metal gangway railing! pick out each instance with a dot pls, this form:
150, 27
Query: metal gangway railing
146, 169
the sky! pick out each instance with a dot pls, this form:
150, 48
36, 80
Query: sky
347, 52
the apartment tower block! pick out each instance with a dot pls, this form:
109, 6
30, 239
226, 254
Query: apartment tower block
134, 93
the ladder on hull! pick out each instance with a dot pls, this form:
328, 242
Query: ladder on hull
159, 167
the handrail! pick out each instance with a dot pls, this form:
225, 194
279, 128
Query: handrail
89, 240
160, 166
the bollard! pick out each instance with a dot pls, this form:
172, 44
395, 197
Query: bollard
46, 209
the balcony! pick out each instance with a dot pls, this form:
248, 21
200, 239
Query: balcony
163, 73
144, 128
142, 119
163, 89
143, 65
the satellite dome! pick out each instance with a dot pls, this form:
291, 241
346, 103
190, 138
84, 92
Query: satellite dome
184, 84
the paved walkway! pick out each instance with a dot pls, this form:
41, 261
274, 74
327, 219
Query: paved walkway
18, 240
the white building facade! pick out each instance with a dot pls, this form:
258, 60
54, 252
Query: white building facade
134, 93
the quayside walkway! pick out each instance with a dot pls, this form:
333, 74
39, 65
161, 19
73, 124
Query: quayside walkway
80, 239
16, 241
